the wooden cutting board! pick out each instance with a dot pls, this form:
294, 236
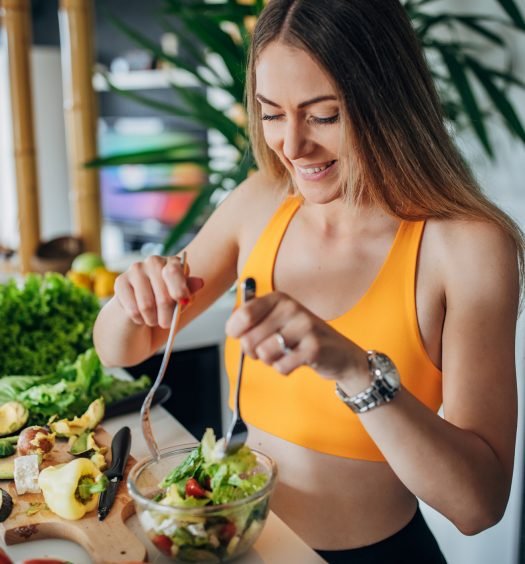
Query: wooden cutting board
105, 541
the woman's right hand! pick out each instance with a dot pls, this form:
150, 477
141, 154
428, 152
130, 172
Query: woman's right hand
149, 290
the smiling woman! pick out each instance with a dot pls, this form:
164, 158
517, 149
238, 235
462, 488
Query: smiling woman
387, 286
293, 126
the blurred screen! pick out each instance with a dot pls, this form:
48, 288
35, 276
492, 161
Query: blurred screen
120, 202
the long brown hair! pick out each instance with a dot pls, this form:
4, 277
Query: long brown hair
399, 154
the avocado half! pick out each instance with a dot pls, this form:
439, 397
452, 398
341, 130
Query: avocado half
13, 416
78, 425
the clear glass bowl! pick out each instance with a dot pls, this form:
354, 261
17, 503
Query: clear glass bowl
217, 533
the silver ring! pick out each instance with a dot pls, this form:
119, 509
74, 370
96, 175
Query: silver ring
282, 343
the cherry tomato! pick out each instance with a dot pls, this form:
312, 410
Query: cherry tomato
194, 489
4, 559
163, 543
227, 532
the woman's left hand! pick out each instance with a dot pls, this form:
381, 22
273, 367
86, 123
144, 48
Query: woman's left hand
280, 332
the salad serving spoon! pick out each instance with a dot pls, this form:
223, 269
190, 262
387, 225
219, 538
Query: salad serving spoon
145, 419
238, 431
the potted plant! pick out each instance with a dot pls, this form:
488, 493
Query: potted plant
216, 37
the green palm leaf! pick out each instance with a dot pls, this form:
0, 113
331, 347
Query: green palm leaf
499, 99
513, 12
218, 41
182, 153
474, 24
157, 50
461, 83
208, 116
159, 188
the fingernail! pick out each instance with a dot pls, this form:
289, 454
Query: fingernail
184, 301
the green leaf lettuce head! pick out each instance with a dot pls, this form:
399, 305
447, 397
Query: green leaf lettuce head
69, 390
44, 321
226, 477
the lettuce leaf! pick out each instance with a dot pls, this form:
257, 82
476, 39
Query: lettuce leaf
230, 477
45, 321
68, 391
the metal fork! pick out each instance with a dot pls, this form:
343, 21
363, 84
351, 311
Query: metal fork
238, 432
145, 419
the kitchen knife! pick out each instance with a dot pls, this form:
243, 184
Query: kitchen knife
120, 447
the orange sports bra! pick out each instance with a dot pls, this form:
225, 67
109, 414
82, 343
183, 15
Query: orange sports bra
302, 408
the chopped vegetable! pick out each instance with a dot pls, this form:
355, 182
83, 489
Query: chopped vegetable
6, 505
13, 416
78, 425
46, 321
194, 489
36, 440
35, 507
228, 478
7, 469
84, 444
8, 446
71, 490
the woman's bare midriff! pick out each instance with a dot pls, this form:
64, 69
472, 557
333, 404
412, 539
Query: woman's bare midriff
332, 502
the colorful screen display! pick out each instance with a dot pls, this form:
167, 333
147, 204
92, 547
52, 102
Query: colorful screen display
121, 201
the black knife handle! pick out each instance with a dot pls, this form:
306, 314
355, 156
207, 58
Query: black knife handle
120, 447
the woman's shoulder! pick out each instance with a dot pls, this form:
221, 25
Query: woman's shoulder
473, 255
455, 237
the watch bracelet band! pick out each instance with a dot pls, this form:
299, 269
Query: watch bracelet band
378, 393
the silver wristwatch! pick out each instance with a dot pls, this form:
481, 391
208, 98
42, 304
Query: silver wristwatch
385, 385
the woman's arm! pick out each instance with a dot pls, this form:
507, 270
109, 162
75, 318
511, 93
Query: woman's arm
135, 322
462, 465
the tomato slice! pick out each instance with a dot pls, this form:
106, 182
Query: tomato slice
194, 489
227, 532
163, 543
4, 559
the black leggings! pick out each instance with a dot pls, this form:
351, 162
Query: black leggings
413, 544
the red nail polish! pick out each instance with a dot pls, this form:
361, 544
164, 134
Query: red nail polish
184, 301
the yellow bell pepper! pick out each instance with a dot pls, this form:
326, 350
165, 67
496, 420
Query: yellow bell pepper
70, 489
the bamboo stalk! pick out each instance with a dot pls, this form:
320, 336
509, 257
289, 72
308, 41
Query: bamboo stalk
76, 44
16, 22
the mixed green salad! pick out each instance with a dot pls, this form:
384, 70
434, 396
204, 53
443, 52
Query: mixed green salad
207, 478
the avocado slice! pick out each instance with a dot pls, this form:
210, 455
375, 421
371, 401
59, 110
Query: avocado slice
13, 416
84, 445
7, 469
78, 425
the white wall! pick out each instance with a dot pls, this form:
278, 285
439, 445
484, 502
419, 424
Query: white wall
8, 221
50, 149
55, 217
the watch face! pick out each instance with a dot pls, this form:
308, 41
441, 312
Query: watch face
388, 370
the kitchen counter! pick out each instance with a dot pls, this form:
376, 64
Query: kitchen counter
278, 544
